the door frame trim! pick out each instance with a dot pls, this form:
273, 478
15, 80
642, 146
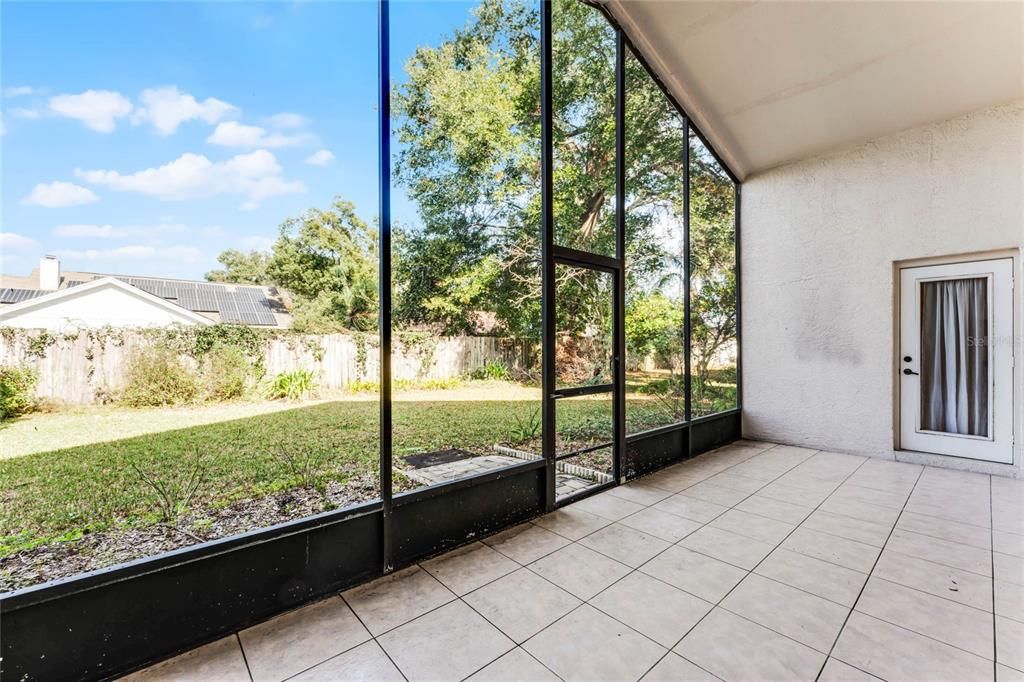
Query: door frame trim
1016, 256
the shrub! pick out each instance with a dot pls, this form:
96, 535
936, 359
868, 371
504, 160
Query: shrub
157, 375
493, 370
294, 385
227, 372
17, 390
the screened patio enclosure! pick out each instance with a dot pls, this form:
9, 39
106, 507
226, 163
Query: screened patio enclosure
563, 203
556, 213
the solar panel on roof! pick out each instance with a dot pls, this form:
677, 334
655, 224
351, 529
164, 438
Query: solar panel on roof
12, 295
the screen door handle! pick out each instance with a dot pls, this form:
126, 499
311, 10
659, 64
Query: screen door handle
909, 371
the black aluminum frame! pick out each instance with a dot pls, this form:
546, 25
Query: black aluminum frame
108, 622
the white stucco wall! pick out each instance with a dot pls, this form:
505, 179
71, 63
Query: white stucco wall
820, 238
95, 307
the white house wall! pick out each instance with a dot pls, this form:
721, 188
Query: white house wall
820, 239
93, 308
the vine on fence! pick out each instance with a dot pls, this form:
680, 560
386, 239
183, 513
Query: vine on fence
420, 344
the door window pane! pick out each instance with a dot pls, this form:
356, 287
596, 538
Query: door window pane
954, 356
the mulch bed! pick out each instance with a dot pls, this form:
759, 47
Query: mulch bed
99, 550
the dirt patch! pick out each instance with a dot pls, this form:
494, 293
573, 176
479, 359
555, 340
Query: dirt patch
99, 550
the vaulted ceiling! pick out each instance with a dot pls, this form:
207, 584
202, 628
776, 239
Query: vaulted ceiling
775, 82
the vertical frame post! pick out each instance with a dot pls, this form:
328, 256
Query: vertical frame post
739, 297
619, 303
548, 318
384, 274
687, 332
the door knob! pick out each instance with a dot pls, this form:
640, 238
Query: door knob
909, 371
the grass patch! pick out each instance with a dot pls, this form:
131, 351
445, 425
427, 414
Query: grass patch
61, 494
49, 496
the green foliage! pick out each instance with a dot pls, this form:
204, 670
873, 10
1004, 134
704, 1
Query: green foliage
363, 386
440, 384
328, 259
17, 390
294, 385
158, 375
241, 267
227, 372
654, 325
37, 342
526, 427
492, 370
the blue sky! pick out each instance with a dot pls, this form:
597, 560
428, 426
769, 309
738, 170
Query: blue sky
146, 137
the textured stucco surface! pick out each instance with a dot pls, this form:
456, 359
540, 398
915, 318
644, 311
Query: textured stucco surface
820, 238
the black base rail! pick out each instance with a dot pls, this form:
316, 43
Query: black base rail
109, 622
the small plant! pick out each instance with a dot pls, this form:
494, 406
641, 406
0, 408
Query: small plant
492, 370
227, 372
157, 376
526, 428
587, 429
173, 493
363, 386
305, 466
440, 384
17, 390
294, 385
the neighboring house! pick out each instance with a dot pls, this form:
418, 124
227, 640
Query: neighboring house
50, 299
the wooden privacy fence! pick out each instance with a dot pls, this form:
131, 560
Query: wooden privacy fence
86, 369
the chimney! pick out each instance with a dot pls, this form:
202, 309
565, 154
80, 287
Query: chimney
49, 273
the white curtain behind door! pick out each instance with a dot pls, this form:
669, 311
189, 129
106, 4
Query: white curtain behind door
954, 356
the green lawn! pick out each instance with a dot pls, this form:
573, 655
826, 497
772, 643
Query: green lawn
60, 493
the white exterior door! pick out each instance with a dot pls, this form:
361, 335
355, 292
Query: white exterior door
956, 359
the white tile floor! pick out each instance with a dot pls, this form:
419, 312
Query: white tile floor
753, 562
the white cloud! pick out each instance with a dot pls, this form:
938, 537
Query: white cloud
234, 134
186, 254
287, 119
83, 231
12, 241
256, 175
134, 251
320, 158
19, 91
166, 108
97, 109
59, 195
23, 112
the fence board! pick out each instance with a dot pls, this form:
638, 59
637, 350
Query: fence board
84, 369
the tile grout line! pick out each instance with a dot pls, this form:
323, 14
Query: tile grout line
992, 557
870, 574
636, 570
245, 660
373, 637
750, 571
